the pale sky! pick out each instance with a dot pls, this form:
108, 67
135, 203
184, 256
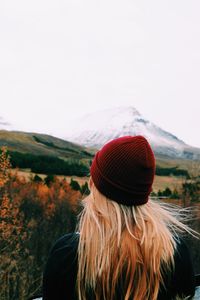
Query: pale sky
61, 59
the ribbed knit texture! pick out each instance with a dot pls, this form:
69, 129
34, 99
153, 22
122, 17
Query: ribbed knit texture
123, 170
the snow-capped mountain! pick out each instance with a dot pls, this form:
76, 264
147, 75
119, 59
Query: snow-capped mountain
94, 130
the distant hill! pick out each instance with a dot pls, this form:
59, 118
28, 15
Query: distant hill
42, 144
95, 129
45, 154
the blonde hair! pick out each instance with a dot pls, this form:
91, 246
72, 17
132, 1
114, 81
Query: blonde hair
124, 246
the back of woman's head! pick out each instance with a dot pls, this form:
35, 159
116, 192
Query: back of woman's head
123, 170
126, 240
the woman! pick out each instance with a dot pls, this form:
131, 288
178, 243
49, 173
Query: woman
126, 246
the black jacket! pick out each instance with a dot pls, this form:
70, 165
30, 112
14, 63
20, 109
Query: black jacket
61, 270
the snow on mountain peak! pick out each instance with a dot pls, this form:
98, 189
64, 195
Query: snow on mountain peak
109, 118
95, 129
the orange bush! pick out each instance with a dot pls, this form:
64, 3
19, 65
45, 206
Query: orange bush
32, 216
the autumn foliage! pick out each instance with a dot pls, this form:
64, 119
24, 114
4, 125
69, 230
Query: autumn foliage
32, 216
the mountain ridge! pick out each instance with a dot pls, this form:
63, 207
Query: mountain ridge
95, 129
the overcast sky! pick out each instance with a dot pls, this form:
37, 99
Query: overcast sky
63, 58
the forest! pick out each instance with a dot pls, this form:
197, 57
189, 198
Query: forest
54, 165
48, 164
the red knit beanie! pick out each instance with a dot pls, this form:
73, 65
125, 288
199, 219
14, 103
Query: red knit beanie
123, 170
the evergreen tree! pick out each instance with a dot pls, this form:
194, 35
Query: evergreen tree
49, 179
75, 185
167, 192
37, 178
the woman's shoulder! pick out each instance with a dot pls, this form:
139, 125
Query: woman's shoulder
60, 272
184, 277
67, 241
182, 255
181, 281
63, 254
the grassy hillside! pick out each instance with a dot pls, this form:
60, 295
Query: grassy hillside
42, 144
46, 154
192, 166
